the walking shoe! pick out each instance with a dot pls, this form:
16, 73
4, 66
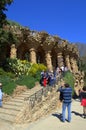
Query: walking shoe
62, 120
83, 116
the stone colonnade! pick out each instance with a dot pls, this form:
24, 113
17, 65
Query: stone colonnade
52, 51
62, 58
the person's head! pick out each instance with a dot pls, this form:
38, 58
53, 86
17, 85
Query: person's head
0, 85
66, 85
84, 88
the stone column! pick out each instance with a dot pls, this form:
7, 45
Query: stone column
60, 59
67, 61
74, 66
48, 60
71, 63
33, 55
13, 51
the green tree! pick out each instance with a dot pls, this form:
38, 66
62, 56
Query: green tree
3, 8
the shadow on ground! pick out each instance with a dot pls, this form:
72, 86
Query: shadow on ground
57, 115
76, 113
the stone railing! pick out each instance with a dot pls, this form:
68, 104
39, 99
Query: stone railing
38, 96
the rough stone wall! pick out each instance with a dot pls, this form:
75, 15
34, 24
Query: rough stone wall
79, 82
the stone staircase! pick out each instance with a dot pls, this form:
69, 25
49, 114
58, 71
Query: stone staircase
11, 108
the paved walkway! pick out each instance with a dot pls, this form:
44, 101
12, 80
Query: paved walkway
52, 122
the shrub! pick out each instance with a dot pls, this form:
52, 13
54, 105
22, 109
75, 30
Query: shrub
8, 84
19, 67
25, 74
28, 81
23, 67
36, 68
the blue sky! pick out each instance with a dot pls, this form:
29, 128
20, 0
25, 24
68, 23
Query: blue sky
65, 18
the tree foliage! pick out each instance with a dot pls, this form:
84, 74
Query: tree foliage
3, 8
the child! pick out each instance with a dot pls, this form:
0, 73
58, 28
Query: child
1, 94
83, 100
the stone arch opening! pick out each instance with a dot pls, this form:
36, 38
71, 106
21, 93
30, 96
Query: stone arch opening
23, 52
4, 54
54, 59
40, 55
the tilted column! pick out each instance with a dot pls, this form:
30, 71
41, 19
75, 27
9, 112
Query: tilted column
74, 65
67, 61
60, 59
71, 62
13, 51
33, 55
48, 60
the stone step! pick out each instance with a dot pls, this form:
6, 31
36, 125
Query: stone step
31, 92
17, 100
8, 111
14, 103
20, 98
7, 117
13, 107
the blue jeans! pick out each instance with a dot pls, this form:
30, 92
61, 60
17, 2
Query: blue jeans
64, 106
0, 103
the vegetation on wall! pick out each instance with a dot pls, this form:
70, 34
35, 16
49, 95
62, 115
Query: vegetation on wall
13, 23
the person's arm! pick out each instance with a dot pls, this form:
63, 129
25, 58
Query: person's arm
60, 89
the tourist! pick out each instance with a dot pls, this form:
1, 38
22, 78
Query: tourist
1, 94
83, 101
66, 92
